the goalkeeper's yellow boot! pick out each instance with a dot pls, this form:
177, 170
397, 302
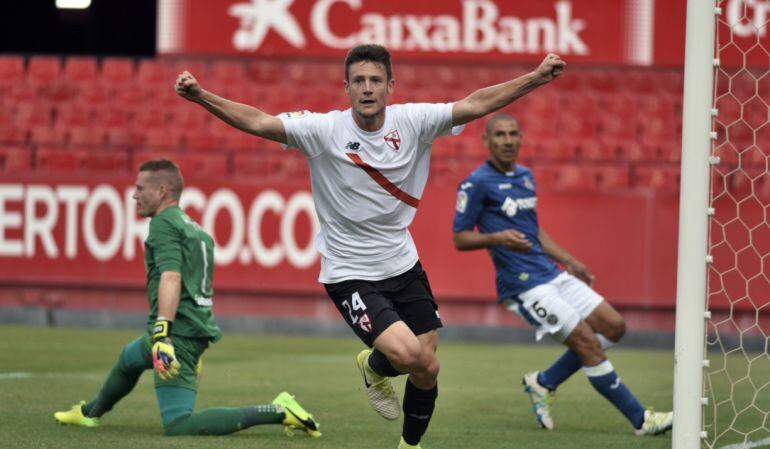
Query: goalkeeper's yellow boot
75, 417
296, 416
541, 398
404, 445
379, 390
655, 423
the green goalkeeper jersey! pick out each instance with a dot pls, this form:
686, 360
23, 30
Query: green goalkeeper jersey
177, 243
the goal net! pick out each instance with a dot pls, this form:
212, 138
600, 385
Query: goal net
737, 372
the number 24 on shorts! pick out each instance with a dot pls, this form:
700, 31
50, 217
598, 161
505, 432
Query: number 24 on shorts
358, 305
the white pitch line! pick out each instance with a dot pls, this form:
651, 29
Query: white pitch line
749, 445
28, 375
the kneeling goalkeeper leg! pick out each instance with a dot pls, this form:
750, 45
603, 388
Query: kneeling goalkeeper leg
176, 409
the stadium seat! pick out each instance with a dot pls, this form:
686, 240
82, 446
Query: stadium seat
57, 159
47, 135
69, 115
11, 70
87, 136
80, 70
193, 166
12, 134
115, 162
594, 151
15, 159
44, 70
612, 178
662, 178
117, 73
152, 72
162, 139
33, 114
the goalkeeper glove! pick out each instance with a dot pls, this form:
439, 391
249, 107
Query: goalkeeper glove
163, 356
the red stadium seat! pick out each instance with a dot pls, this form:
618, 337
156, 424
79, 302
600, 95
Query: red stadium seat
153, 72
662, 178
11, 70
15, 159
69, 115
120, 137
612, 178
87, 136
117, 72
44, 70
57, 159
80, 70
115, 162
12, 135
162, 139
193, 166
47, 135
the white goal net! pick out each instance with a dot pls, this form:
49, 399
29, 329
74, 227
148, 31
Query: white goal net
737, 375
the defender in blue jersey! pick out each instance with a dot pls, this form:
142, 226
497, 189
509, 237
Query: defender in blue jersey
497, 210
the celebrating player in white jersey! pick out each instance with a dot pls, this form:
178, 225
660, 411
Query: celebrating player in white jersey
499, 198
369, 165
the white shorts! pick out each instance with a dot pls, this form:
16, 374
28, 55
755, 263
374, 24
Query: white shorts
556, 307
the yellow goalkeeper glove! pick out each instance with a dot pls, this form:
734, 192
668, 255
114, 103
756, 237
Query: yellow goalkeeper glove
163, 356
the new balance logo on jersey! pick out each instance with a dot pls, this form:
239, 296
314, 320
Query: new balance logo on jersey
511, 206
353, 146
393, 139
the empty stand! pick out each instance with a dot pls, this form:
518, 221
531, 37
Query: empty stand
600, 129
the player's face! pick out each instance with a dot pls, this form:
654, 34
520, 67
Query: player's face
148, 195
368, 88
504, 141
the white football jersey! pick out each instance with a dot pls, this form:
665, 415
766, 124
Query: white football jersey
367, 185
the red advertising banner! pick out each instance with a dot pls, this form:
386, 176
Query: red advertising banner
582, 30
636, 32
85, 233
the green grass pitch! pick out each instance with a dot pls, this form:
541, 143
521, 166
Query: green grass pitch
480, 403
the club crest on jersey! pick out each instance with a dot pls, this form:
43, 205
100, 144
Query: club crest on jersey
296, 114
393, 139
528, 183
462, 201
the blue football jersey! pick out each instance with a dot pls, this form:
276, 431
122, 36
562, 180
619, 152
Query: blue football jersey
495, 201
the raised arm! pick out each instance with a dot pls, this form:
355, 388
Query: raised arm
510, 238
244, 117
490, 99
561, 255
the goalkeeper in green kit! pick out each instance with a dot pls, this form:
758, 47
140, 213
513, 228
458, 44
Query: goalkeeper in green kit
179, 258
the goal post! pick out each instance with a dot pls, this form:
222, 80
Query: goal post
693, 224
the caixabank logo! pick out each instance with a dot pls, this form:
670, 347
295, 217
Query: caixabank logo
479, 27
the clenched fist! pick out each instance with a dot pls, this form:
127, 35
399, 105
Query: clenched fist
187, 86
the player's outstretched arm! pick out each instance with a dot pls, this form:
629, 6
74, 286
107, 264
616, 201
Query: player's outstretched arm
510, 238
244, 117
561, 255
492, 98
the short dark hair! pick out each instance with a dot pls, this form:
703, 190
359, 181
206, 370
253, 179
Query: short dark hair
369, 52
168, 173
498, 117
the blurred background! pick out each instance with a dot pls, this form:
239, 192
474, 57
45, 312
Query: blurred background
87, 94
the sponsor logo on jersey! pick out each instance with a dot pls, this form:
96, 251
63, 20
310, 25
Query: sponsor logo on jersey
511, 206
393, 139
462, 201
504, 186
523, 277
466, 185
353, 146
296, 114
